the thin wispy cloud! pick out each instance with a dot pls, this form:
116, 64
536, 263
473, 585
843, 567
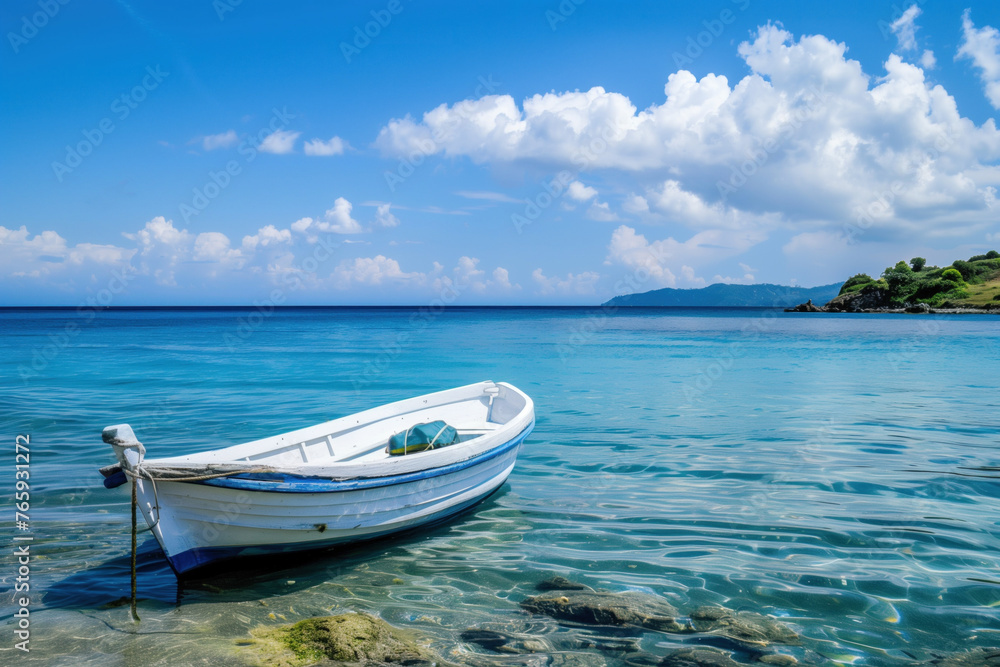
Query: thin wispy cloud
982, 47
420, 209
212, 142
905, 28
488, 196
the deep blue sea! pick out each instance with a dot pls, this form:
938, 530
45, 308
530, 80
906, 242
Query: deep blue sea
838, 472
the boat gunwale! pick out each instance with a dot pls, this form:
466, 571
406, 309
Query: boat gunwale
319, 484
349, 469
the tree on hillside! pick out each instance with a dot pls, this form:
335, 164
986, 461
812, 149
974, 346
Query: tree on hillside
967, 269
918, 263
951, 275
856, 279
900, 280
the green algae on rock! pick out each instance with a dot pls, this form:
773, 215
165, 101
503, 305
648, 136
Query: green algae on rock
354, 638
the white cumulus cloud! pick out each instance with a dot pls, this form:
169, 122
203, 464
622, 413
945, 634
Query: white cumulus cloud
652, 260
806, 139
279, 142
467, 277
384, 218
268, 235
161, 248
633, 251
159, 231
335, 146
98, 253
577, 191
214, 247
583, 283
337, 219
378, 270
501, 278
670, 202
48, 254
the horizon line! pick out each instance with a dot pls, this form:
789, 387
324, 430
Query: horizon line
366, 306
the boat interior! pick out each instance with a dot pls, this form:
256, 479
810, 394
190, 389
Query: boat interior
362, 438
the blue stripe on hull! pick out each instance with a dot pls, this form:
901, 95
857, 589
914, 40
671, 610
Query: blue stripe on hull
193, 559
285, 483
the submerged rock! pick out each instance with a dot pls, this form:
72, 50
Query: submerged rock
534, 660
698, 657
712, 657
355, 638
374, 579
502, 642
518, 644
559, 583
745, 627
601, 608
977, 657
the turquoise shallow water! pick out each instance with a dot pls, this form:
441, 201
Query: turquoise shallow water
839, 472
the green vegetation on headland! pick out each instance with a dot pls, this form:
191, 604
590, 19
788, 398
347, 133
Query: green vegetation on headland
972, 284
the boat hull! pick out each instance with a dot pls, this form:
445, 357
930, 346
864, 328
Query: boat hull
201, 523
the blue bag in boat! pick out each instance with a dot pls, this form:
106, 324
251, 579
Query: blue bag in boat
421, 437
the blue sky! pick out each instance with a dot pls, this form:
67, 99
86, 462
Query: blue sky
486, 153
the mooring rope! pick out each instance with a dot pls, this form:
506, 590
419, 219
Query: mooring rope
143, 473
135, 504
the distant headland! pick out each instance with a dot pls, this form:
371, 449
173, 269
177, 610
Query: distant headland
966, 286
724, 295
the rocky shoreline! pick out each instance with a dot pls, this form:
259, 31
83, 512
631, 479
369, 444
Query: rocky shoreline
876, 301
915, 309
920, 290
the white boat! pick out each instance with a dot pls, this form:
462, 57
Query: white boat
329, 483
